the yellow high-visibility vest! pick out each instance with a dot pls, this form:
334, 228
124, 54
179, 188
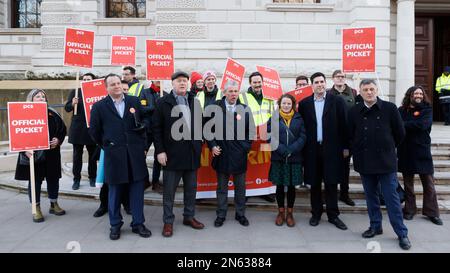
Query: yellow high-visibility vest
261, 113
201, 97
443, 82
135, 89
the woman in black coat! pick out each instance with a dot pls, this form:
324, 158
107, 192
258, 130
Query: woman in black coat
47, 162
286, 160
414, 154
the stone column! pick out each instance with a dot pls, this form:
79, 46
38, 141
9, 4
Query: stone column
405, 58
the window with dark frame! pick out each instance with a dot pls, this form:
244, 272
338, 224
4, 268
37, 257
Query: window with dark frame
125, 8
26, 13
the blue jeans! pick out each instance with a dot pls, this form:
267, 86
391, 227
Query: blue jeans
389, 189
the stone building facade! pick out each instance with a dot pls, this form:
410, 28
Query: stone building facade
294, 38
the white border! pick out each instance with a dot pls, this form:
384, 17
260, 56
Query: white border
342, 49
135, 51
146, 59
223, 76
9, 128
279, 80
93, 48
84, 98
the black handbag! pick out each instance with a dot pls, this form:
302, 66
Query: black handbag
39, 156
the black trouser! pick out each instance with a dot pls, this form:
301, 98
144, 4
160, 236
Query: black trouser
104, 192
78, 161
446, 112
331, 199
52, 189
290, 196
430, 204
156, 170
345, 181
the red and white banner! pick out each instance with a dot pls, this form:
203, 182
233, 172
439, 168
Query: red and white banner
123, 50
79, 48
256, 181
28, 126
358, 50
301, 93
92, 91
160, 59
271, 83
233, 71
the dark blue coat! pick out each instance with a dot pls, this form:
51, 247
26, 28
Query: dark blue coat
123, 145
374, 134
335, 138
414, 153
233, 158
290, 140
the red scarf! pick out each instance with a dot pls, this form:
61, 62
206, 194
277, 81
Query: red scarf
155, 88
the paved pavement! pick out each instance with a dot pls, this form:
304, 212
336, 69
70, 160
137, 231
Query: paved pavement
79, 231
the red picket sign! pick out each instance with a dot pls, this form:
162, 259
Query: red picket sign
92, 91
271, 84
79, 48
28, 126
160, 59
123, 50
358, 50
301, 93
233, 71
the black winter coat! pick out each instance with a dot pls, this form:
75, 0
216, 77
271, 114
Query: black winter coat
335, 138
414, 153
291, 140
148, 98
233, 157
123, 144
181, 154
374, 134
78, 132
50, 168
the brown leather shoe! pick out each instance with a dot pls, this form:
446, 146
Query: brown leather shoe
290, 217
279, 221
167, 230
193, 223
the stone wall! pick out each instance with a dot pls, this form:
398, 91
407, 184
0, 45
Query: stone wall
295, 39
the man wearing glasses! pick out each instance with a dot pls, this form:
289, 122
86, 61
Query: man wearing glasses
341, 89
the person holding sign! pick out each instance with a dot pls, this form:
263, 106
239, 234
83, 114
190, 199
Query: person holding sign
286, 159
47, 162
178, 154
261, 108
326, 146
211, 93
230, 150
115, 126
79, 137
340, 88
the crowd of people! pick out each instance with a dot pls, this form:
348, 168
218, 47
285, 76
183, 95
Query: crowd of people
312, 144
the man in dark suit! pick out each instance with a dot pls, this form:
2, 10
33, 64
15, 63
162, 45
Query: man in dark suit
79, 137
178, 153
325, 149
230, 149
375, 130
116, 128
